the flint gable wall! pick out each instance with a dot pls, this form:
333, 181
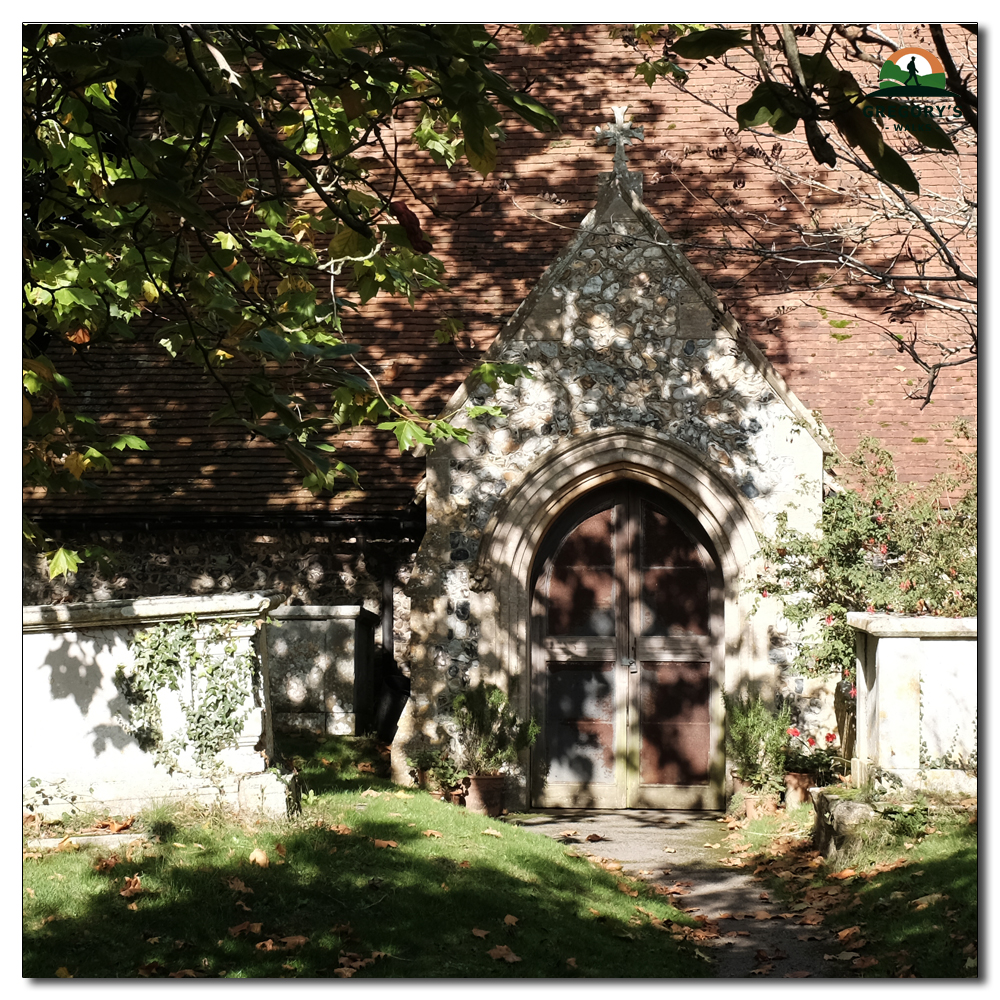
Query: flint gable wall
622, 337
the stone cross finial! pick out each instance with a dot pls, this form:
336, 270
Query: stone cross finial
618, 134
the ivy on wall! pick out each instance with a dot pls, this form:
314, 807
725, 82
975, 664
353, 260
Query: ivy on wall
202, 662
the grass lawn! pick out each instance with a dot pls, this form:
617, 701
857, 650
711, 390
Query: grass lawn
370, 881
904, 902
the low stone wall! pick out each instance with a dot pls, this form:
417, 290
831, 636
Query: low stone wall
77, 752
917, 684
322, 669
841, 822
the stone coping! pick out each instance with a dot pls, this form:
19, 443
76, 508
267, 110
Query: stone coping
93, 614
319, 612
913, 626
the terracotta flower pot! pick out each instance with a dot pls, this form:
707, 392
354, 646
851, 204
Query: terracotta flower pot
759, 804
797, 785
485, 794
455, 794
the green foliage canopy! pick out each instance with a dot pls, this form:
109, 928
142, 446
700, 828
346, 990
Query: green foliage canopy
208, 183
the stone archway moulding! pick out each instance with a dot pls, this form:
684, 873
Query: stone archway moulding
514, 533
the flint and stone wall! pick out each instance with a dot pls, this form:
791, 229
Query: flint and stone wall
620, 335
307, 568
322, 667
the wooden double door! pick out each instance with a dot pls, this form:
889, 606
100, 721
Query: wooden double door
626, 629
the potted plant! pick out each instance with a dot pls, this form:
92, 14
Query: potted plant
490, 736
434, 769
756, 737
808, 764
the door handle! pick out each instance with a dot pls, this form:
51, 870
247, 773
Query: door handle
633, 667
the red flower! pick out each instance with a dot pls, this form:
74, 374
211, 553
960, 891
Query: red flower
792, 731
763, 593
883, 548
870, 609
879, 518
831, 738
811, 742
854, 692
829, 619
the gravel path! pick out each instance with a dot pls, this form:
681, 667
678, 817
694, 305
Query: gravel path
673, 848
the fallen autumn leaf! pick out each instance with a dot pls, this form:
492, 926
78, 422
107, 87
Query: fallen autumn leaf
502, 951
133, 886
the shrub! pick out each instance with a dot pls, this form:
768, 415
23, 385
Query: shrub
490, 734
756, 737
884, 546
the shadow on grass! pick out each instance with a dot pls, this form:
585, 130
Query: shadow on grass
417, 902
923, 917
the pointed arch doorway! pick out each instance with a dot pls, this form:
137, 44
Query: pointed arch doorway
626, 655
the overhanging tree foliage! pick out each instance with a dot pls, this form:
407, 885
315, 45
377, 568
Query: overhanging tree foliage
205, 185
912, 246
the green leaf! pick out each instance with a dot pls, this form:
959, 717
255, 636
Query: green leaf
771, 104
137, 48
482, 162
534, 34
62, 562
284, 249
349, 244
447, 329
859, 130
818, 69
79, 59
407, 433
129, 441
649, 71
331, 352
268, 342
712, 42
492, 372
894, 169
